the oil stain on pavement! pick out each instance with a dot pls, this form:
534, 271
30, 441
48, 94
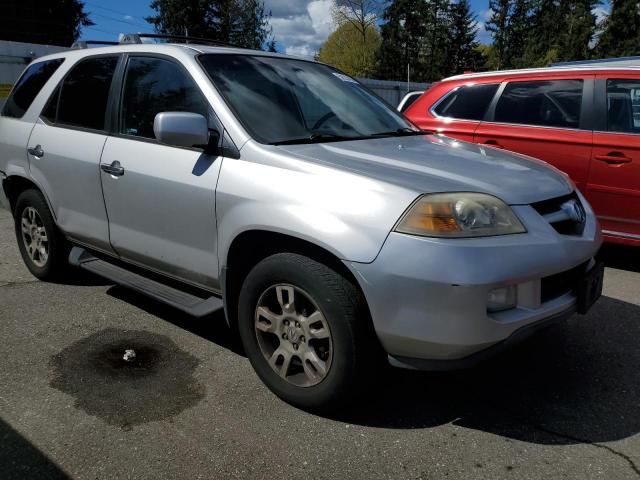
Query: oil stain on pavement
157, 384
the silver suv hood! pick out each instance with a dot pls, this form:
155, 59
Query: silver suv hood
433, 163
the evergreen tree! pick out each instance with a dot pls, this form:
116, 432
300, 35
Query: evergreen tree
402, 32
241, 22
621, 34
580, 24
54, 22
509, 25
546, 26
463, 51
561, 30
498, 27
433, 48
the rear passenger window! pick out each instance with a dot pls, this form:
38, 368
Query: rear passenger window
469, 102
623, 106
552, 103
81, 99
153, 85
28, 87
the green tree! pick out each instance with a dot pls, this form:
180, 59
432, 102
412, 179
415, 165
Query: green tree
560, 30
581, 25
508, 25
241, 22
498, 27
362, 16
430, 38
463, 53
434, 46
621, 30
402, 31
54, 22
347, 50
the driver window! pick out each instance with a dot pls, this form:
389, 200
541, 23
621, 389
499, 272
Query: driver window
153, 85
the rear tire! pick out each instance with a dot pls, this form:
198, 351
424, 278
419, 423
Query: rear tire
44, 250
306, 330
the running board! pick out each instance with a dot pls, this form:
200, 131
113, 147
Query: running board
194, 305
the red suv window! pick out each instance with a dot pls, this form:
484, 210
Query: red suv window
469, 102
550, 103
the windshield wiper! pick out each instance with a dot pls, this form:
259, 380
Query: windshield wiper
400, 132
315, 138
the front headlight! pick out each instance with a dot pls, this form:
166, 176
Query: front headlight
459, 215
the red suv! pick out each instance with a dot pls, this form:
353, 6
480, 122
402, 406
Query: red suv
583, 120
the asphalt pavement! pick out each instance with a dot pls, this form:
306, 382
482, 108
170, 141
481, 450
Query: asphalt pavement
564, 404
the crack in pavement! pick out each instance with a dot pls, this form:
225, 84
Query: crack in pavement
14, 284
566, 436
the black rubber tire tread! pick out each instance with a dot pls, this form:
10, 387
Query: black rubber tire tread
356, 351
58, 262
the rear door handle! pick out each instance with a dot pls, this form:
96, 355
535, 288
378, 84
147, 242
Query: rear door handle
114, 168
36, 151
493, 143
614, 158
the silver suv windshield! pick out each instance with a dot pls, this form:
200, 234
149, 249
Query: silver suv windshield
287, 101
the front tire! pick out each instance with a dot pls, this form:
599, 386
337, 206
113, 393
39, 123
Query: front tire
44, 250
306, 331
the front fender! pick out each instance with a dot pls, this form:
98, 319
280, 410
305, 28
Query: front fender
347, 214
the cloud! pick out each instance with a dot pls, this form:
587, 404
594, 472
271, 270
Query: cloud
301, 27
128, 17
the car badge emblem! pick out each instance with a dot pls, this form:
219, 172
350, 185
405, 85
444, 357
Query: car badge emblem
574, 211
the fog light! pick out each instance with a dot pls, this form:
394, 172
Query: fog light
502, 298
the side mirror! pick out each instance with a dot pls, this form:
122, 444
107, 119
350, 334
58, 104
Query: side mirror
181, 129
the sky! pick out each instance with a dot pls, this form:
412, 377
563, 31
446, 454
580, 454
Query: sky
300, 26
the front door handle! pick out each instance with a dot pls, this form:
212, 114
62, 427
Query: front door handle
493, 143
614, 158
114, 168
36, 151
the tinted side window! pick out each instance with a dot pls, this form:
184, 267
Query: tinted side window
467, 102
153, 85
28, 87
551, 103
83, 94
623, 106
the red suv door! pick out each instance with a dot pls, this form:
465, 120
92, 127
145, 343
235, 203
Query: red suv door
614, 179
546, 118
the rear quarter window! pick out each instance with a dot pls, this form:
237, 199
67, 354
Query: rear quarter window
469, 102
28, 87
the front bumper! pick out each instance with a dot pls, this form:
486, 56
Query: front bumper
428, 297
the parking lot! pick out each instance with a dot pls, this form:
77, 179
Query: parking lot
566, 404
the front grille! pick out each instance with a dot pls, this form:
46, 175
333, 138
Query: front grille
556, 285
565, 214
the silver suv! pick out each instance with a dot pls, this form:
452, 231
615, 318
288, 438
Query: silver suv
332, 231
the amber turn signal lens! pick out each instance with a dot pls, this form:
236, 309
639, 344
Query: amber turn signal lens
436, 218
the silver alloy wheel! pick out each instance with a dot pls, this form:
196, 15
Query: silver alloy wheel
293, 335
34, 237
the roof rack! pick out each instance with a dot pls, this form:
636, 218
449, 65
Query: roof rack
136, 38
635, 60
86, 43
128, 38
